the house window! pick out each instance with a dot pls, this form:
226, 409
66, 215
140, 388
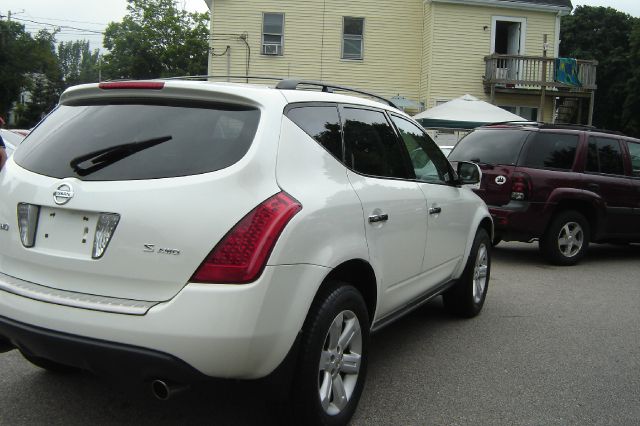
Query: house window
352, 37
272, 33
528, 113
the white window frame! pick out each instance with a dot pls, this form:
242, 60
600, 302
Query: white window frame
523, 31
352, 37
281, 44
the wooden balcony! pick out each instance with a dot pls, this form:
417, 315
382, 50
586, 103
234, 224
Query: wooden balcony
536, 75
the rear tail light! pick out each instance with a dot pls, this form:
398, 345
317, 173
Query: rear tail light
242, 254
105, 228
520, 186
28, 223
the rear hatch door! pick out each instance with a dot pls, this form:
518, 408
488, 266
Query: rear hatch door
496, 151
129, 196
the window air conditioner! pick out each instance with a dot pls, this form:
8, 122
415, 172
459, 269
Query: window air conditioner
271, 49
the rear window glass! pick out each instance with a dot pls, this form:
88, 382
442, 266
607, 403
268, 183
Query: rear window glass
550, 151
322, 124
371, 144
604, 156
138, 141
634, 153
490, 146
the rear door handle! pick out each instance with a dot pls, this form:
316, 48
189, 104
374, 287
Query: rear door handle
378, 218
435, 210
593, 187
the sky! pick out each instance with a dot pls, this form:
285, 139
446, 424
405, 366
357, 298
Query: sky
632, 7
90, 17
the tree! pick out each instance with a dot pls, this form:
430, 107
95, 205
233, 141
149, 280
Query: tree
156, 39
43, 79
15, 43
631, 110
21, 57
78, 63
603, 34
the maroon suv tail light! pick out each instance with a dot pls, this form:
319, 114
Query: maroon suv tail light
520, 186
242, 254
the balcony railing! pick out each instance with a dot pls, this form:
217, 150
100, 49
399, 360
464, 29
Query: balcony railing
534, 72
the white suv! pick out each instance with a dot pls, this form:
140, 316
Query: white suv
176, 231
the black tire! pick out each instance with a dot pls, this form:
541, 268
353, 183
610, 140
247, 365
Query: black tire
466, 298
337, 299
568, 251
496, 240
50, 366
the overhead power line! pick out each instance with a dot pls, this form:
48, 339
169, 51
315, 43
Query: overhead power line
88, 30
69, 20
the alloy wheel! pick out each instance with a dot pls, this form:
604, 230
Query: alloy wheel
570, 239
480, 273
340, 362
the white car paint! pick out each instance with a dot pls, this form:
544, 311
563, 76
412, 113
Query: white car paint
228, 330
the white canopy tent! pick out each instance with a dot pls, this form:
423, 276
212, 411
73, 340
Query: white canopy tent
465, 112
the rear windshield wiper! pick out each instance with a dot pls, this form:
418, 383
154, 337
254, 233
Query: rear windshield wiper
104, 157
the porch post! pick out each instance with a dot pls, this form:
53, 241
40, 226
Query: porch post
592, 100
543, 88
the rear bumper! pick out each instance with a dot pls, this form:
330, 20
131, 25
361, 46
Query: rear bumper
103, 358
221, 331
520, 221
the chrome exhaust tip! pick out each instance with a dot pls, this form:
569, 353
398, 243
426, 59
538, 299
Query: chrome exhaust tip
164, 390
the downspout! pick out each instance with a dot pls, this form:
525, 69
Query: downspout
556, 47
209, 4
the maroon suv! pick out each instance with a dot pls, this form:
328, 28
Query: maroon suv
564, 186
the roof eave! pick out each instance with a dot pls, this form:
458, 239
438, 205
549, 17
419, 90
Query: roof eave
561, 10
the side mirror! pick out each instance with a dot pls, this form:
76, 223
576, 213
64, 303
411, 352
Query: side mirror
469, 174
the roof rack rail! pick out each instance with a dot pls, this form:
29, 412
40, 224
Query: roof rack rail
204, 77
560, 126
514, 123
292, 84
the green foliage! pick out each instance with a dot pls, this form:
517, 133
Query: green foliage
603, 34
78, 63
23, 59
156, 39
631, 110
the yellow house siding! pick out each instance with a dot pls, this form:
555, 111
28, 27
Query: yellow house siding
423, 50
427, 41
313, 41
462, 37
533, 101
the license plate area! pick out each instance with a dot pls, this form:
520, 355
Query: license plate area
68, 232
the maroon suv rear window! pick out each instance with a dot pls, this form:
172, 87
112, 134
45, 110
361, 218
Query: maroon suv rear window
490, 146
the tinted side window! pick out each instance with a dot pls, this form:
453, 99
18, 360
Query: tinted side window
429, 163
634, 153
322, 124
371, 145
138, 141
604, 156
550, 151
490, 146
